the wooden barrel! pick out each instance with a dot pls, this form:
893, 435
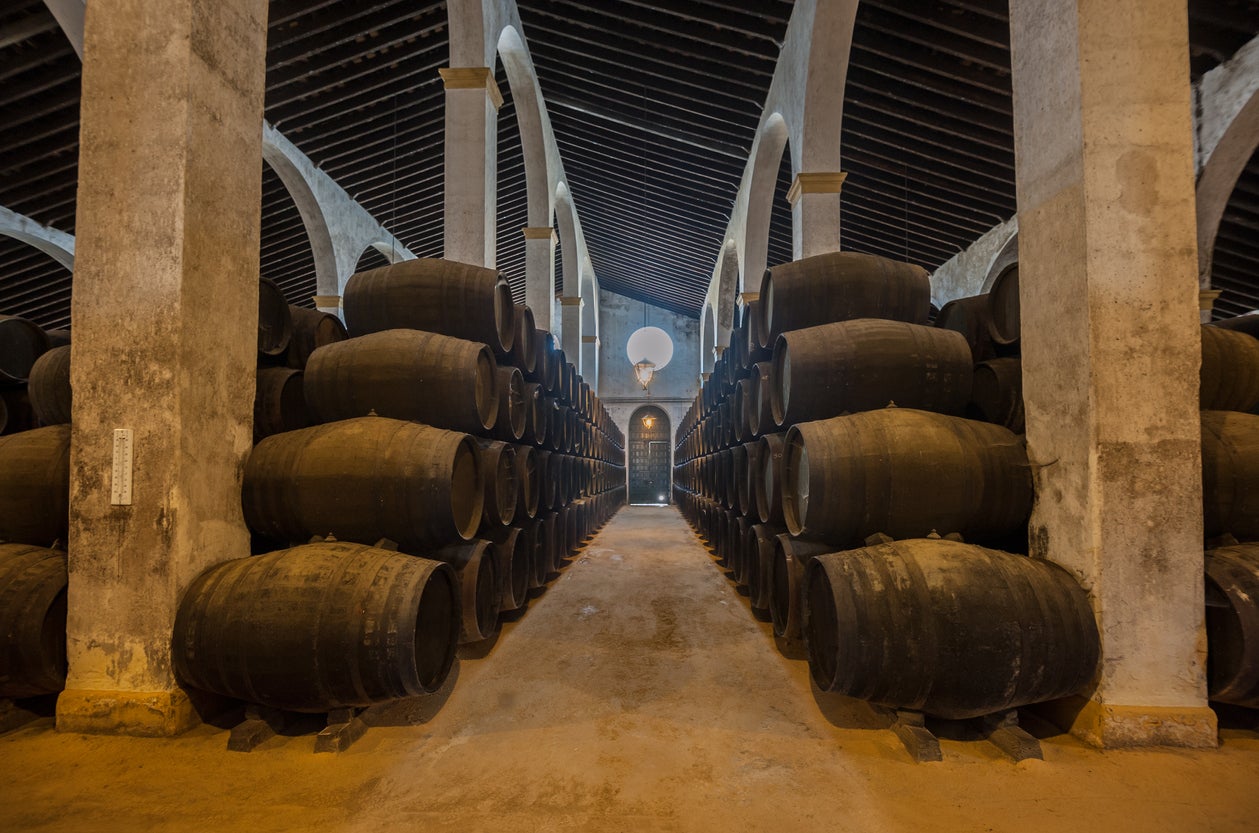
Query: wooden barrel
839, 286
546, 362
786, 583
498, 469
1230, 474
49, 387
4, 415
18, 414
35, 486
970, 317
760, 567
1230, 371
997, 393
405, 374
862, 365
752, 472
513, 560
57, 338
365, 479
769, 507
1003, 307
758, 403
535, 416
528, 486
1232, 592
524, 348
434, 295
32, 621
319, 627
312, 329
534, 532
279, 402
275, 322
962, 631
1248, 323
479, 588
904, 473
572, 538
509, 426
21, 343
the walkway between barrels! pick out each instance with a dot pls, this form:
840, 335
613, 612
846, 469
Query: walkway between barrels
638, 693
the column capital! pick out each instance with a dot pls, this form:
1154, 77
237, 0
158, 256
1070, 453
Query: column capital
590, 340
472, 78
540, 233
749, 297
572, 302
1206, 299
819, 182
719, 349
326, 301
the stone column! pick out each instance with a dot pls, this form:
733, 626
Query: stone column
330, 304
471, 164
540, 273
1108, 274
165, 318
590, 361
814, 199
570, 336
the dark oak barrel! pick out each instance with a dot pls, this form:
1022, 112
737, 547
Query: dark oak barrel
18, 413
949, 629
524, 348
35, 486
509, 426
513, 560
758, 403
769, 506
1003, 307
528, 485
1248, 324
1230, 371
839, 286
996, 394
498, 470
862, 365
904, 473
275, 322
21, 343
760, 566
972, 318
279, 402
786, 582
319, 627
534, 532
49, 387
405, 374
57, 338
365, 479
475, 564
1232, 584
1230, 474
32, 620
554, 543
434, 295
312, 329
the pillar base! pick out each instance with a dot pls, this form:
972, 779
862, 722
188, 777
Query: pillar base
137, 713
1108, 726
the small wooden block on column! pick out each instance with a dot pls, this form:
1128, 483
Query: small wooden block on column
472, 78
830, 182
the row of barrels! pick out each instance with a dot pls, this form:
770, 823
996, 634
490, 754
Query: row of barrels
419, 505
24, 390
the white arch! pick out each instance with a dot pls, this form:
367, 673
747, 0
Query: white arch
53, 242
728, 285
803, 110
708, 338
1228, 134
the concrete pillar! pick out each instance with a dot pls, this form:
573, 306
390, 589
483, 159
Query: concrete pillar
1108, 275
471, 164
570, 336
590, 361
540, 273
814, 199
165, 317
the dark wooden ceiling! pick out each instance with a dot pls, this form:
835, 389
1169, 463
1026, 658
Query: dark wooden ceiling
654, 104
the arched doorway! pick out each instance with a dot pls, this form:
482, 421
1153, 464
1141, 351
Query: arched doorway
649, 471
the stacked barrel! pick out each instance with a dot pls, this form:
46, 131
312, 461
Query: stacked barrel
1229, 397
34, 511
454, 459
827, 463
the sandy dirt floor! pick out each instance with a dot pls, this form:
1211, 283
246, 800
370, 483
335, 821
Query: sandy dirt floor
637, 694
